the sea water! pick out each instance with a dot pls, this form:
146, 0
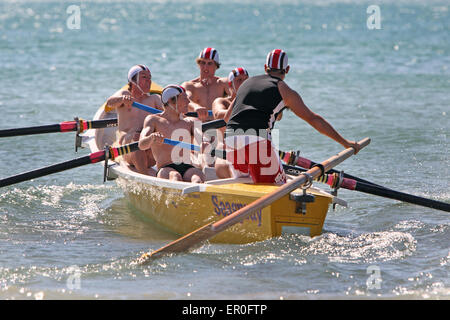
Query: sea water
378, 69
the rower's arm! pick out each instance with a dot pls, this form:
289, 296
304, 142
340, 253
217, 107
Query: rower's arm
145, 139
229, 111
117, 99
219, 108
294, 102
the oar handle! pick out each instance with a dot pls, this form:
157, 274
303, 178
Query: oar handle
181, 144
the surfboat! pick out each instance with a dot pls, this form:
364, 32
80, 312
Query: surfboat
182, 207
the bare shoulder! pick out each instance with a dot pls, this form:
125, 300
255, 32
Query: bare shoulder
190, 84
286, 92
151, 120
153, 100
222, 81
121, 92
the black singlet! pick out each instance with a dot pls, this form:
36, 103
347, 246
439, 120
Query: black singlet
257, 105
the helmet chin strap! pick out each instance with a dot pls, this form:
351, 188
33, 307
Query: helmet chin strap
176, 107
138, 86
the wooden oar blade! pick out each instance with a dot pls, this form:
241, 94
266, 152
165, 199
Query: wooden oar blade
208, 231
183, 244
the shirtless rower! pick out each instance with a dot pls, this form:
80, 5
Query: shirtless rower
172, 125
220, 108
203, 90
130, 119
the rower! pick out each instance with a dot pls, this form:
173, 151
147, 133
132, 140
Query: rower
204, 89
220, 107
258, 103
173, 125
130, 120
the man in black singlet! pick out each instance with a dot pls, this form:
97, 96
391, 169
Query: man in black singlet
259, 102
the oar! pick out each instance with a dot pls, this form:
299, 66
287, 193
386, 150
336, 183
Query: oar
208, 231
291, 158
214, 124
91, 158
81, 125
66, 126
70, 164
351, 184
154, 110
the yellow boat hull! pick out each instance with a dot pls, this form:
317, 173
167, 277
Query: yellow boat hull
182, 214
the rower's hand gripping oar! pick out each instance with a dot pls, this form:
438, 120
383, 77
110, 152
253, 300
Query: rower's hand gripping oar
208, 231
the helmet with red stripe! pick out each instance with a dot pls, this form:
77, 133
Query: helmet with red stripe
210, 53
277, 60
235, 73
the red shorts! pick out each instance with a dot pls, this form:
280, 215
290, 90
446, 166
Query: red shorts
254, 156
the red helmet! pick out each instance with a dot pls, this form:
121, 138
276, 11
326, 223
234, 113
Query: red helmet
210, 53
277, 59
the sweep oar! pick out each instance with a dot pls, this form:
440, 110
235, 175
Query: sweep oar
208, 231
66, 126
334, 180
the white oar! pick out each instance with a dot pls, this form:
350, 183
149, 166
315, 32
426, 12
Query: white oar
208, 231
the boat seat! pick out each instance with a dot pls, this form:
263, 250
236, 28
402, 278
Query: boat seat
210, 173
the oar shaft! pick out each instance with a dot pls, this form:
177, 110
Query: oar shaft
51, 169
70, 164
65, 126
290, 157
352, 184
154, 110
401, 196
31, 130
